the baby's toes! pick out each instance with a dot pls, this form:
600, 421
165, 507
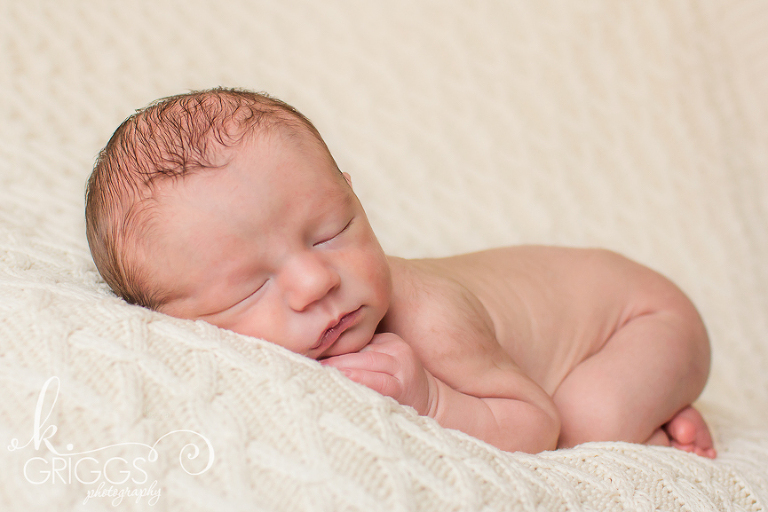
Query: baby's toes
681, 430
689, 432
690, 447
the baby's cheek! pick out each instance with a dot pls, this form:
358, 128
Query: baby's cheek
261, 321
377, 267
379, 277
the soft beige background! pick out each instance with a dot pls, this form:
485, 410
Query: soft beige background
641, 127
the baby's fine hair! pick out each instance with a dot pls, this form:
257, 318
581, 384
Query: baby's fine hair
170, 138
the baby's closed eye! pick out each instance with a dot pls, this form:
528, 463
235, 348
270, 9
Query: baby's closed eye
333, 233
237, 303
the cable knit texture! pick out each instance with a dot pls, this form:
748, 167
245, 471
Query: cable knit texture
637, 126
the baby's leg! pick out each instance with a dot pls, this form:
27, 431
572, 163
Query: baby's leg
645, 377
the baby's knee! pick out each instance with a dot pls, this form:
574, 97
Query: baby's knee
691, 348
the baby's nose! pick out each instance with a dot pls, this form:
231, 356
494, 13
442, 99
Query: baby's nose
307, 280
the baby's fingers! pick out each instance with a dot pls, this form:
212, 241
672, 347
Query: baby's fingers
372, 369
382, 383
369, 361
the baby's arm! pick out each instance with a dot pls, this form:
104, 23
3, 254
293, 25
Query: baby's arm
526, 419
514, 414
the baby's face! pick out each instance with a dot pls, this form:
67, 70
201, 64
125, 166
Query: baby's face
274, 245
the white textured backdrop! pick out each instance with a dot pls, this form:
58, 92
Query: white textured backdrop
637, 126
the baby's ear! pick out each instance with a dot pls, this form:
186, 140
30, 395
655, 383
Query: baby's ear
348, 178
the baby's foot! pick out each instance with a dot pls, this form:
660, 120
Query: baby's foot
687, 431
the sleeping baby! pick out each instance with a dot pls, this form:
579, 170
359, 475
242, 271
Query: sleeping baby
225, 205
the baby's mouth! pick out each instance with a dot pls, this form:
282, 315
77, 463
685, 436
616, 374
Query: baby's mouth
332, 333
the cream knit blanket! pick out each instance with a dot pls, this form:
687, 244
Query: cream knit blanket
637, 126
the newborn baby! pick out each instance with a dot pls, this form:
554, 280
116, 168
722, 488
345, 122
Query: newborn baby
226, 205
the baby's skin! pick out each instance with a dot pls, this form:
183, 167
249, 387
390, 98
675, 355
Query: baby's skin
526, 348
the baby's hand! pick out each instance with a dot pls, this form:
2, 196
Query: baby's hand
389, 366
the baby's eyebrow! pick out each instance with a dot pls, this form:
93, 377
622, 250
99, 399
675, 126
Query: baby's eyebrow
348, 200
331, 207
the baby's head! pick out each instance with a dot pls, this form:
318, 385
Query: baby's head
226, 205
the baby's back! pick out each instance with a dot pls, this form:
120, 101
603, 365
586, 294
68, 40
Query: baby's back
546, 308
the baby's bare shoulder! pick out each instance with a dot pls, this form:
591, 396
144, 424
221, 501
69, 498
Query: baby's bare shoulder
444, 322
